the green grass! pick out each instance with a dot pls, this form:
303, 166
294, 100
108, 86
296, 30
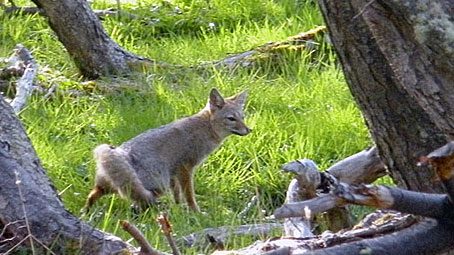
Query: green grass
298, 109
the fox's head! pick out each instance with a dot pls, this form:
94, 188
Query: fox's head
226, 115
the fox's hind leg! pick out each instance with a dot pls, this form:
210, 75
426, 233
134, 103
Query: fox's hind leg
94, 195
101, 188
115, 174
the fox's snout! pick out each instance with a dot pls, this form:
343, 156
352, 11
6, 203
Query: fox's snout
242, 131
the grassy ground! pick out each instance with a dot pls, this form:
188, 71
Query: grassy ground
298, 109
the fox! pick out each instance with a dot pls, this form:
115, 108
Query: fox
164, 159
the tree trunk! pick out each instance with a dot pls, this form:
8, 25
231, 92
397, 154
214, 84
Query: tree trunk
398, 58
82, 34
30, 209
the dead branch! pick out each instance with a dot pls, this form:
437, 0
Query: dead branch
316, 205
24, 88
21, 63
381, 235
429, 205
166, 229
218, 236
383, 224
302, 187
145, 247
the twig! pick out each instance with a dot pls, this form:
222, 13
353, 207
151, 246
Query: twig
5, 228
145, 247
64, 190
166, 229
18, 182
43, 245
27, 224
16, 245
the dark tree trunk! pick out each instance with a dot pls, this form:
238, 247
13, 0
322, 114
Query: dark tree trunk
398, 59
28, 197
82, 34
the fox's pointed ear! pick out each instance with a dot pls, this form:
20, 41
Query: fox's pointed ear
241, 98
216, 100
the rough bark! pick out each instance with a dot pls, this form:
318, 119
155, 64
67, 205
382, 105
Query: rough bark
29, 201
398, 58
82, 34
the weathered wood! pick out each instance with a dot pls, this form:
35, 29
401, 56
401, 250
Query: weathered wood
362, 167
424, 204
302, 187
221, 234
384, 224
319, 204
24, 86
426, 237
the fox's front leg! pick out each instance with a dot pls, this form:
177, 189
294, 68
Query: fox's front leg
187, 185
176, 189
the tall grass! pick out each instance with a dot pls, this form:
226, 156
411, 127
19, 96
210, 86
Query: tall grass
299, 109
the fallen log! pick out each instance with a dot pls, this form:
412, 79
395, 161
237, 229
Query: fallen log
217, 237
20, 64
268, 51
384, 223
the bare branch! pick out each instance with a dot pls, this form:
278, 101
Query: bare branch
316, 205
145, 247
166, 229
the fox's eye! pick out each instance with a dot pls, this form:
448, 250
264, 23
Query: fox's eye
231, 118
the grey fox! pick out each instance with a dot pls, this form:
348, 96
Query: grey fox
164, 158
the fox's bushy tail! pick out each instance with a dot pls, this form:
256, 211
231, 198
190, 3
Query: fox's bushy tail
113, 167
